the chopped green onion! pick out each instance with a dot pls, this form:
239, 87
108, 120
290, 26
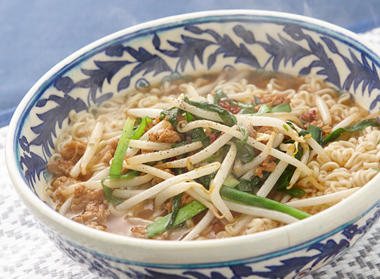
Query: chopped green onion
256, 180
172, 114
287, 175
245, 132
246, 111
316, 133
294, 192
244, 185
128, 175
197, 133
228, 118
350, 129
231, 181
108, 191
189, 116
285, 178
141, 128
176, 203
257, 100
264, 108
284, 107
184, 213
245, 198
118, 159
245, 153
219, 94
121, 149
206, 180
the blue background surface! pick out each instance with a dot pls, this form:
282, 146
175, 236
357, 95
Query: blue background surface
36, 35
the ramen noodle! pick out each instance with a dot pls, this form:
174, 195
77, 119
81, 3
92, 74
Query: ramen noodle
219, 156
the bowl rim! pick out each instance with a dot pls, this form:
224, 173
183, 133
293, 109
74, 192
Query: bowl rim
37, 204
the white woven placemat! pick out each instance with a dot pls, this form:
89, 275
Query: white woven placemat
25, 252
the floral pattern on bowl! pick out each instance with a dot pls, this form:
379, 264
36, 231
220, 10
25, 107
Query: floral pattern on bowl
290, 263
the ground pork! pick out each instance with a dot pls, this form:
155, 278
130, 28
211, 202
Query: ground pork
93, 205
60, 167
150, 125
252, 132
83, 196
312, 118
273, 100
139, 232
96, 225
309, 116
73, 150
167, 135
94, 212
71, 153
60, 184
185, 199
111, 151
265, 130
267, 165
326, 129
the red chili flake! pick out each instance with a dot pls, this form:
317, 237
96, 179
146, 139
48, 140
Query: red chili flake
213, 137
230, 108
235, 110
230, 100
309, 116
226, 106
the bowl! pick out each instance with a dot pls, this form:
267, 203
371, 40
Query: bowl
147, 54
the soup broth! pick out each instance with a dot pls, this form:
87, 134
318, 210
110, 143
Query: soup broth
213, 156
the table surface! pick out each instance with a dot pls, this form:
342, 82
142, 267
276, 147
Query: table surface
24, 249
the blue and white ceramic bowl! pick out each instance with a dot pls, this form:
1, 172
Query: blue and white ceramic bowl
184, 45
